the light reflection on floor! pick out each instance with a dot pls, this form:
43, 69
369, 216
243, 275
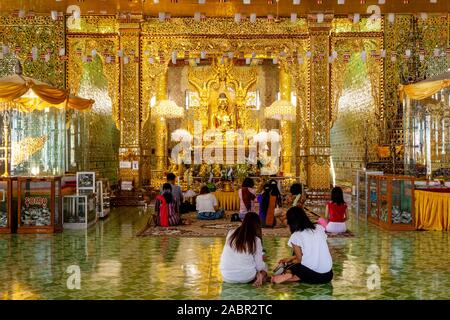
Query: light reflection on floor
116, 265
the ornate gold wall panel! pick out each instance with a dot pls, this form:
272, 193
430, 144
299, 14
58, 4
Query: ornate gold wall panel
395, 35
319, 134
42, 32
82, 45
345, 25
300, 74
435, 34
286, 126
225, 27
161, 131
96, 25
130, 115
100, 137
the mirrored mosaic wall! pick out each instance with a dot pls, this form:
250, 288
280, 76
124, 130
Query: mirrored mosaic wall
354, 135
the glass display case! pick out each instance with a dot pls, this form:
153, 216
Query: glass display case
391, 201
362, 184
427, 136
39, 205
79, 211
372, 199
5, 205
37, 142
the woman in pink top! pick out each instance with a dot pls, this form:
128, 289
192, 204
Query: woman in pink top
247, 196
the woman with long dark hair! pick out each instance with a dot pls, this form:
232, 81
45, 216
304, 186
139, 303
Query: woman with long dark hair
247, 197
336, 213
311, 262
242, 256
165, 208
297, 199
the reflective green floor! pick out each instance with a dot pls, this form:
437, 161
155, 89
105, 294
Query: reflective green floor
117, 265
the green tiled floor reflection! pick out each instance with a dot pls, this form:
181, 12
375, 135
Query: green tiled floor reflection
117, 265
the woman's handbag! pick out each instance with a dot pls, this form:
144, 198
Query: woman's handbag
281, 268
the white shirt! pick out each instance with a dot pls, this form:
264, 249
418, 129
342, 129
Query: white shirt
206, 203
239, 267
316, 255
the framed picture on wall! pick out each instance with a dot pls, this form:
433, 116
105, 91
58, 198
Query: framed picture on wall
85, 181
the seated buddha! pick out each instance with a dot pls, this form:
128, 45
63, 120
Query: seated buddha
223, 120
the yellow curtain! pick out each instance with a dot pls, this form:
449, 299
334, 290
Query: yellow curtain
422, 90
79, 104
50, 94
228, 200
45, 96
432, 210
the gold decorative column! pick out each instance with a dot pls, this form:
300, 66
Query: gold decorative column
319, 133
130, 115
6, 129
285, 125
161, 125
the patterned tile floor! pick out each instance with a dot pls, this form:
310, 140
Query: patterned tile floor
115, 264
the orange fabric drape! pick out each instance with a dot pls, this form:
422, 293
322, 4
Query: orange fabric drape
50, 94
422, 90
11, 91
79, 104
432, 210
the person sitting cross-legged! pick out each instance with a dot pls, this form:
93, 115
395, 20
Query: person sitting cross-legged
207, 206
311, 262
242, 257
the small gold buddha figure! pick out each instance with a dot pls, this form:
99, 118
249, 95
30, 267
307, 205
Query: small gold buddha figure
223, 119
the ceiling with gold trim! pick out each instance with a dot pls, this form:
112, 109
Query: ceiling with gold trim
222, 8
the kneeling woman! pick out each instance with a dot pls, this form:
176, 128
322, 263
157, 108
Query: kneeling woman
242, 256
311, 262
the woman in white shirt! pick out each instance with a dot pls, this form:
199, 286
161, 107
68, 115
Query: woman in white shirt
311, 262
207, 206
242, 256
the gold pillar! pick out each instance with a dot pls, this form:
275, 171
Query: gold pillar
286, 126
6, 143
130, 116
161, 126
319, 133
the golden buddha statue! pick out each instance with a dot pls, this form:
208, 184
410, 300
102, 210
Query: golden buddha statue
223, 120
